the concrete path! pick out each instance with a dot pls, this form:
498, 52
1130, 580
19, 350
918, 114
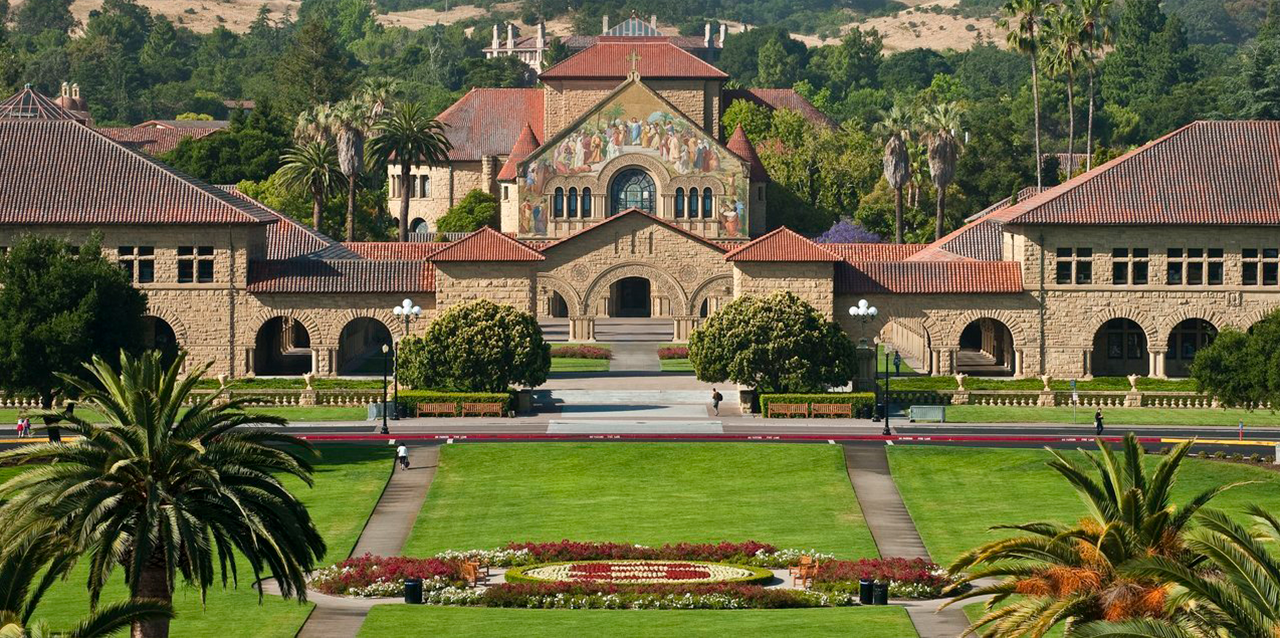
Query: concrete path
384, 535
635, 357
895, 533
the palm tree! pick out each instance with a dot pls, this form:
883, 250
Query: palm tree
942, 122
167, 487
312, 167
1024, 37
897, 162
378, 91
350, 124
408, 136
314, 124
1096, 15
1072, 575
1064, 50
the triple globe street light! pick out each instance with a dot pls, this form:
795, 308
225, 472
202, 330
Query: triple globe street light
409, 312
865, 312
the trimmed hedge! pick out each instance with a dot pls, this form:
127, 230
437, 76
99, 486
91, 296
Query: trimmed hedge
863, 403
759, 575
409, 399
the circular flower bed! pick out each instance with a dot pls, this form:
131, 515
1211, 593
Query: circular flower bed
639, 572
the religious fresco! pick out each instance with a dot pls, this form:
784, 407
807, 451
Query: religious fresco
634, 122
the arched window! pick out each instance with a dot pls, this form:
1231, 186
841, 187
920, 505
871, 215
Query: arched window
632, 188
557, 203
693, 203
679, 203
573, 202
586, 203
706, 203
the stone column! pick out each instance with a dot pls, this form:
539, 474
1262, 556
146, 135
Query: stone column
582, 328
249, 359
1019, 368
1157, 361
683, 327
1087, 359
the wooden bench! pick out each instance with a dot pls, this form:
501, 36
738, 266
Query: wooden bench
437, 409
805, 562
788, 409
481, 409
472, 575
832, 409
803, 577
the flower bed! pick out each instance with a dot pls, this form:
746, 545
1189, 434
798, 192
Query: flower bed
605, 596
673, 352
371, 576
908, 577
748, 553
639, 572
580, 352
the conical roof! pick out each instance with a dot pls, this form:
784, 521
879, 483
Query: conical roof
741, 146
29, 104
526, 144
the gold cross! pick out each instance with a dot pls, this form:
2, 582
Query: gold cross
634, 58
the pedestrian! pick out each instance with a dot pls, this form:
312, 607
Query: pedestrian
19, 427
716, 398
402, 455
24, 428
1097, 421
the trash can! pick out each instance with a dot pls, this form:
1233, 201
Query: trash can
413, 591
864, 591
881, 593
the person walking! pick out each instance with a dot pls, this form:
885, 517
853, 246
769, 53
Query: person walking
1097, 421
19, 427
716, 398
402, 455
24, 428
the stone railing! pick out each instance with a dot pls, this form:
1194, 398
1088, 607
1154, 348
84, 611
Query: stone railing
1051, 398
285, 398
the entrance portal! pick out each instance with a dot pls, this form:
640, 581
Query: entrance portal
631, 297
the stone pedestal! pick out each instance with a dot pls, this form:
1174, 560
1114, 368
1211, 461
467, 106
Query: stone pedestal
683, 328
582, 329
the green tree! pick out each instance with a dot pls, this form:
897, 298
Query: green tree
248, 149
1242, 369
1260, 80
34, 17
912, 70
169, 487
315, 70
896, 162
54, 301
854, 63
1024, 37
410, 137
1065, 39
163, 57
756, 120
1097, 37
478, 346
474, 211
350, 121
772, 343
312, 168
942, 123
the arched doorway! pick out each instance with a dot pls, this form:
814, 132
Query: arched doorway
159, 335
1120, 349
632, 188
1185, 340
360, 347
282, 348
986, 349
631, 297
558, 307
419, 225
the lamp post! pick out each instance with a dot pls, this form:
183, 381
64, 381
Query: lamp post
864, 313
385, 350
409, 312
897, 361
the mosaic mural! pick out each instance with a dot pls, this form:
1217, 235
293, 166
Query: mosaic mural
634, 122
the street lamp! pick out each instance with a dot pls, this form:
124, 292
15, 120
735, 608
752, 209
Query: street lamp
385, 350
897, 363
863, 313
410, 312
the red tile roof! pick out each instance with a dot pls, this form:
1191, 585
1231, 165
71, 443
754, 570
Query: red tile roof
61, 172
486, 244
778, 99
928, 277
628, 214
782, 244
351, 276
185, 124
1215, 173
527, 143
874, 252
489, 121
29, 104
154, 141
741, 146
394, 250
609, 58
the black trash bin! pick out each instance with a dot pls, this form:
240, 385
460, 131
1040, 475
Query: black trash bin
864, 591
881, 593
413, 591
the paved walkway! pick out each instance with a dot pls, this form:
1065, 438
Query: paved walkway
635, 357
895, 533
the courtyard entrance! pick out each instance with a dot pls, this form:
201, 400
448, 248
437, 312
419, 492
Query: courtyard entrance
986, 349
282, 348
1119, 349
631, 297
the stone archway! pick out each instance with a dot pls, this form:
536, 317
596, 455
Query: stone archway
1186, 338
161, 336
668, 300
710, 296
360, 345
282, 347
987, 349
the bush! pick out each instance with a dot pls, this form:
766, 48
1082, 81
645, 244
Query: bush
861, 402
1219, 455
475, 211
908, 578
1254, 458
673, 352
580, 352
712, 596
410, 399
478, 346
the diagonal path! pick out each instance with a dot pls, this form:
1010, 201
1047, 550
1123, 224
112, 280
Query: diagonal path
895, 533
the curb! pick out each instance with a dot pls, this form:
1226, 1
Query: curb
956, 438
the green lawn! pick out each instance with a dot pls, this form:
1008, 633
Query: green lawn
566, 364
457, 622
954, 494
349, 480
1113, 416
651, 493
676, 365
9, 417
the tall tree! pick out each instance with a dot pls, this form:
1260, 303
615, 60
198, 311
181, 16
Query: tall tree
897, 162
34, 17
408, 136
1097, 32
1063, 51
315, 70
1024, 37
312, 167
169, 486
942, 124
350, 122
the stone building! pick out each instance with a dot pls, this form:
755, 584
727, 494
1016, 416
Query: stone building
531, 49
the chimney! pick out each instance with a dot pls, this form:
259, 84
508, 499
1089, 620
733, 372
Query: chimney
604, 24
722, 32
494, 45
706, 35
653, 22
511, 37
542, 35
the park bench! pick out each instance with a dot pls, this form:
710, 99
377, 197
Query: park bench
481, 409
437, 409
832, 409
803, 577
472, 574
788, 409
805, 562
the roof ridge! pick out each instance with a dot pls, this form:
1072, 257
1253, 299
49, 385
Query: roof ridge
627, 212
528, 253
782, 231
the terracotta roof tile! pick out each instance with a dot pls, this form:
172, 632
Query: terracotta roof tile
154, 141
61, 172
928, 277
741, 146
525, 144
627, 214
874, 252
609, 58
486, 244
394, 250
782, 244
489, 121
29, 104
778, 99
340, 276
1219, 173
186, 124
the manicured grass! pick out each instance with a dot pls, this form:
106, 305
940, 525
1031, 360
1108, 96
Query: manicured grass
565, 364
348, 482
1112, 416
955, 494
652, 493
882, 366
451, 622
676, 365
9, 418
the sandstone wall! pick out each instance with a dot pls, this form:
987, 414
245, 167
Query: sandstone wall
813, 282
499, 282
